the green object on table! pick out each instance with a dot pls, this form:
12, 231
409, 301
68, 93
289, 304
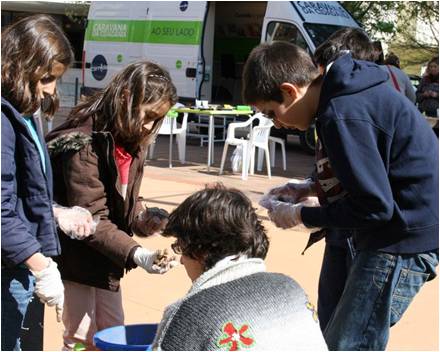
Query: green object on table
172, 113
79, 347
243, 108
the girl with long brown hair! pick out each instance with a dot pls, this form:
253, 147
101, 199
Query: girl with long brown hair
98, 157
35, 53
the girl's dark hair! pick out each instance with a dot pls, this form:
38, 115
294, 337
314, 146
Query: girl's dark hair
30, 47
271, 64
434, 59
378, 58
116, 108
392, 59
354, 40
217, 222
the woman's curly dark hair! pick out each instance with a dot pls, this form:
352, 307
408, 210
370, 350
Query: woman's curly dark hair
217, 222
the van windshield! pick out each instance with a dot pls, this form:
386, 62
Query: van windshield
320, 32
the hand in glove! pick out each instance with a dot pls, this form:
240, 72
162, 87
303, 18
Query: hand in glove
76, 222
49, 287
287, 215
293, 191
154, 262
150, 221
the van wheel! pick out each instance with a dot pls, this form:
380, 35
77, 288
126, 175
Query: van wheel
307, 140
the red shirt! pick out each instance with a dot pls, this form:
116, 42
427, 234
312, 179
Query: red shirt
123, 161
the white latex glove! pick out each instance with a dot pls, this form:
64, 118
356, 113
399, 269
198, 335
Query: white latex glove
154, 262
287, 215
76, 222
49, 287
293, 191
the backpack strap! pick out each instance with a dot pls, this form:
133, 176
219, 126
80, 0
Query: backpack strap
393, 78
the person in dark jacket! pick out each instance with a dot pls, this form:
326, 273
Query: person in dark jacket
380, 150
427, 92
339, 251
98, 158
35, 53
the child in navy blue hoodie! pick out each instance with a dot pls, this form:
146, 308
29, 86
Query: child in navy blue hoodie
385, 157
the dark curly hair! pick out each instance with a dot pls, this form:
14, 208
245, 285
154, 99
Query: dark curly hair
217, 222
353, 39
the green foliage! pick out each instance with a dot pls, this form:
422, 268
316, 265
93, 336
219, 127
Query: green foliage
77, 11
379, 17
385, 27
397, 20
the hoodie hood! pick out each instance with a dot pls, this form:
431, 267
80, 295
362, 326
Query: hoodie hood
69, 126
342, 81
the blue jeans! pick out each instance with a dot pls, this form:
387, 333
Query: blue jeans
17, 290
379, 289
335, 267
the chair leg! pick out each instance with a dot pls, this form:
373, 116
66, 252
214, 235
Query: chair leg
181, 146
268, 162
245, 162
252, 160
272, 148
151, 149
260, 159
283, 150
225, 151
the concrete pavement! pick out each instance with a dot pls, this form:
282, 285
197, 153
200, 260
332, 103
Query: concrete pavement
145, 296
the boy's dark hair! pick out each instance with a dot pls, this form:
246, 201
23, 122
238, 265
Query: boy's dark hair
392, 59
271, 64
379, 57
116, 108
217, 222
30, 47
353, 39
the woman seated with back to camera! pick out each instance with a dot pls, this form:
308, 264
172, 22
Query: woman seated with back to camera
233, 302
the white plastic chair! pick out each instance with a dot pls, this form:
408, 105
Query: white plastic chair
180, 133
272, 147
258, 138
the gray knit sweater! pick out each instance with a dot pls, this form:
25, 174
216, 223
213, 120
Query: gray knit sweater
237, 305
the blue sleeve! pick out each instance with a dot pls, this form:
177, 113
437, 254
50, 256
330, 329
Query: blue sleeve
18, 243
357, 153
409, 90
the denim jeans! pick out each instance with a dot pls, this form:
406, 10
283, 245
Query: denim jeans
335, 267
17, 290
379, 289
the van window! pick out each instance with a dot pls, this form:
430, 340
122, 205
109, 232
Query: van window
320, 32
283, 31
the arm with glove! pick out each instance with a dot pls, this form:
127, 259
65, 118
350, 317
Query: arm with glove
75, 222
48, 285
109, 240
293, 191
150, 221
284, 203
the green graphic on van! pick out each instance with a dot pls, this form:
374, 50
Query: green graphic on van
119, 58
178, 64
157, 32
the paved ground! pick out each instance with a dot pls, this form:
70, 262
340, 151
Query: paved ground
145, 296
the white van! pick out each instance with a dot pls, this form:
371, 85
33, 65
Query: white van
203, 44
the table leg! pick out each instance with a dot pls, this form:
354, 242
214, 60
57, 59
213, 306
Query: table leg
210, 140
170, 156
